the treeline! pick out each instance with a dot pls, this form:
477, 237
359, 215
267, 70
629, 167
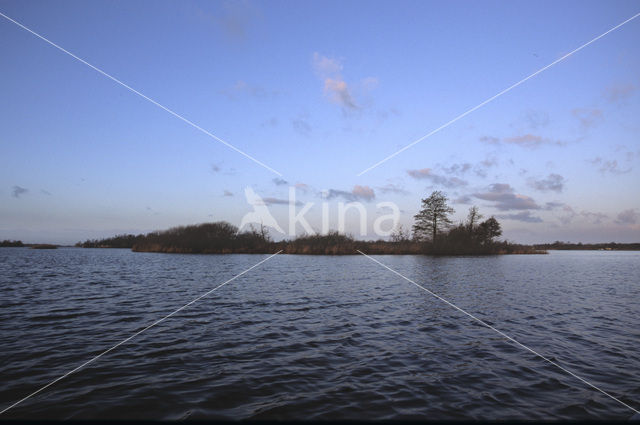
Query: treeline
611, 246
11, 244
462, 240
434, 228
224, 238
208, 238
118, 241
335, 243
18, 244
433, 234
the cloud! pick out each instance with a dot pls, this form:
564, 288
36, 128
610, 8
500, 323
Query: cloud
18, 191
338, 91
490, 139
528, 141
45, 192
234, 20
336, 88
301, 126
231, 172
505, 198
629, 155
554, 205
335, 193
593, 217
587, 117
596, 218
531, 141
483, 166
620, 92
522, 216
566, 219
536, 119
357, 193
420, 174
325, 66
552, 183
278, 201
363, 192
227, 193
461, 169
279, 181
302, 186
464, 199
608, 166
457, 169
392, 188
630, 216
489, 162
272, 122
436, 179
242, 88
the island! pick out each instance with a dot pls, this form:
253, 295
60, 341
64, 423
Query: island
432, 234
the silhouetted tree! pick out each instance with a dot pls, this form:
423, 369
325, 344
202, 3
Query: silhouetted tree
488, 230
433, 217
472, 218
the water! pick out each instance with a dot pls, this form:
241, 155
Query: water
318, 337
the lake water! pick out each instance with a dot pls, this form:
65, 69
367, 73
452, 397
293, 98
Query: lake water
318, 337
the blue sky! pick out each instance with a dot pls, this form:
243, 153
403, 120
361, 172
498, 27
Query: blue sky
318, 91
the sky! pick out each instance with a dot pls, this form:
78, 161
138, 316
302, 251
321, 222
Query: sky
318, 92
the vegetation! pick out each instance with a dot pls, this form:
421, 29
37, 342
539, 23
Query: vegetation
611, 246
335, 243
433, 217
43, 246
433, 228
118, 241
11, 244
19, 244
208, 238
224, 238
433, 234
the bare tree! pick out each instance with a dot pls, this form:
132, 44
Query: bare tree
433, 217
399, 234
473, 218
264, 233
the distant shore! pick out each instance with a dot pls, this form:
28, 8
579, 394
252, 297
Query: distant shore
331, 244
569, 246
43, 246
19, 244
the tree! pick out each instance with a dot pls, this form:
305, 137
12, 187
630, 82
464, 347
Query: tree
433, 217
488, 230
472, 218
399, 234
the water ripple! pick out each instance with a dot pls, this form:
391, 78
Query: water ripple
318, 337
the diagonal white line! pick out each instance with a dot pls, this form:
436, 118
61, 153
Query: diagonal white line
175, 114
137, 333
447, 124
482, 322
